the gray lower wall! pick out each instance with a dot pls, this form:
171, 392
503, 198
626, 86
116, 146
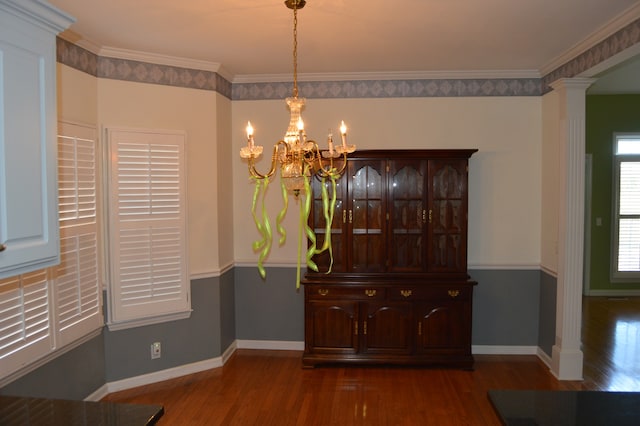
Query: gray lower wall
72, 375
510, 308
506, 307
270, 309
198, 338
547, 325
227, 311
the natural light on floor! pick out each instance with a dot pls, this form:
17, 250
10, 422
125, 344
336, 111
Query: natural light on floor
626, 357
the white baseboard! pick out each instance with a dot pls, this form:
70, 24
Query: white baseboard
98, 394
503, 350
281, 345
613, 293
159, 376
544, 357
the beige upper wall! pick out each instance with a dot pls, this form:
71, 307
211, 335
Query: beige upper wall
148, 106
77, 96
225, 188
505, 174
550, 181
112, 103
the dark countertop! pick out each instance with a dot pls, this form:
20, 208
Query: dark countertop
566, 408
20, 411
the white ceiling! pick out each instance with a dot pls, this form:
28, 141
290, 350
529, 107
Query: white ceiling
254, 37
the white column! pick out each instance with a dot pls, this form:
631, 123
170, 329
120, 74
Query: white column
567, 357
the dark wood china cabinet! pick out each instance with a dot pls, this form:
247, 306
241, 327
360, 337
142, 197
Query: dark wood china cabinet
398, 291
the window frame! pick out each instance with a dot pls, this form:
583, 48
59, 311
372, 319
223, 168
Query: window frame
617, 276
120, 314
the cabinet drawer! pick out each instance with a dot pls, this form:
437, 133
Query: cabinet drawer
430, 292
319, 292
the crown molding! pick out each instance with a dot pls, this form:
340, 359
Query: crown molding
613, 61
80, 41
619, 22
399, 75
158, 59
39, 12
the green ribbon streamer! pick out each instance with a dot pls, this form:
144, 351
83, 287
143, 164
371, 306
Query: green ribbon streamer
263, 245
328, 210
329, 220
304, 223
300, 225
283, 212
262, 224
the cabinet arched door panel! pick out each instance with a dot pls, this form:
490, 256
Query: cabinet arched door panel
387, 328
331, 327
444, 326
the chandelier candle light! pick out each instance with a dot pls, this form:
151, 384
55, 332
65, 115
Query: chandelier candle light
299, 159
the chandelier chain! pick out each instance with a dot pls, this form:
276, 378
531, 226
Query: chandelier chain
295, 49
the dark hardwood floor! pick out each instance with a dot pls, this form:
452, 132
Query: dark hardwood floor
611, 343
257, 387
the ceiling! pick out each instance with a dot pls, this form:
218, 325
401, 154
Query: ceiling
254, 37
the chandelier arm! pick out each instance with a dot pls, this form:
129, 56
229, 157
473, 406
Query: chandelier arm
344, 163
274, 163
328, 171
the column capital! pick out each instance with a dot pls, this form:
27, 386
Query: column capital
576, 83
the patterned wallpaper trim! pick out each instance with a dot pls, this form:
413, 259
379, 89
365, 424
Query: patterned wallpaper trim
143, 72
140, 72
612, 45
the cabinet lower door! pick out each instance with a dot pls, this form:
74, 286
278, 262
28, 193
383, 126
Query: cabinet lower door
444, 327
387, 328
331, 327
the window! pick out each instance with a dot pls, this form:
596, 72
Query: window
47, 310
626, 233
147, 227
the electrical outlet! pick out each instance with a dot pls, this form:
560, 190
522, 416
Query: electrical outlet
156, 350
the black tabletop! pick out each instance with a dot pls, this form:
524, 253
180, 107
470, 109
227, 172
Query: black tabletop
566, 408
19, 411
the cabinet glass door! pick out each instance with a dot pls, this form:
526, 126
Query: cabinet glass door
367, 215
318, 223
408, 215
447, 216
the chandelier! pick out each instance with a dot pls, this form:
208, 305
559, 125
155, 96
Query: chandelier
299, 159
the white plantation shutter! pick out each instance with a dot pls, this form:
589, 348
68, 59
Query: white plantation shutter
26, 332
147, 233
43, 311
77, 283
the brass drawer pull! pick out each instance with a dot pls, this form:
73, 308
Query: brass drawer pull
370, 293
406, 293
454, 293
2, 247
323, 291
